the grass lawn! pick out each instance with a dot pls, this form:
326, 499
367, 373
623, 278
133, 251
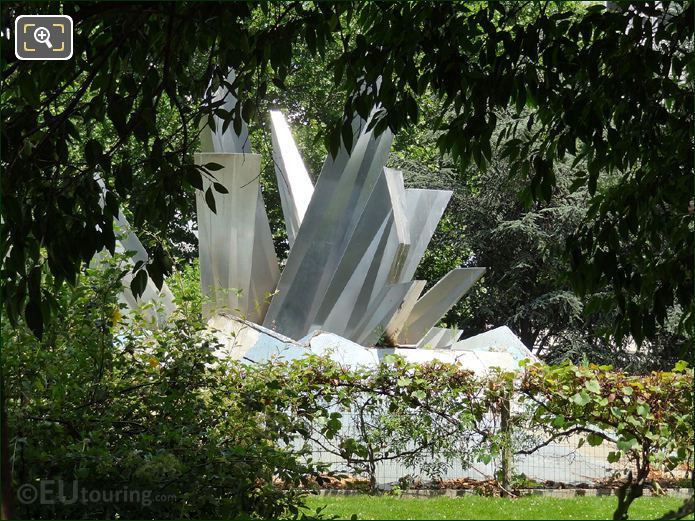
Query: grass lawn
473, 507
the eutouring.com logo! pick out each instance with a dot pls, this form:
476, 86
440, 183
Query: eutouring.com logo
59, 492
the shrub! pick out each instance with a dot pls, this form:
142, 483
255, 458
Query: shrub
104, 402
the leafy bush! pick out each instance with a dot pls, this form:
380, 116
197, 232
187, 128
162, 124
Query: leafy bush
649, 417
103, 402
424, 416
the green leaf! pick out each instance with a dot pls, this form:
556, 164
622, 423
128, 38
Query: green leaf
193, 177
237, 123
118, 109
124, 177
558, 421
156, 274
614, 456
643, 410
594, 439
346, 134
333, 143
333, 425
210, 200
213, 167
92, 152
248, 110
419, 394
581, 398
139, 283
593, 386
626, 445
34, 317
220, 188
680, 366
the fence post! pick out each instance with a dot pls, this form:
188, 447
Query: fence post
507, 459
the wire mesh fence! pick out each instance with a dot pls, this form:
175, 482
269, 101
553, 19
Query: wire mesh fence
569, 461
555, 463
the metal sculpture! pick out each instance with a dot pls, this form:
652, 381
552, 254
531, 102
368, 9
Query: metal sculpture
356, 239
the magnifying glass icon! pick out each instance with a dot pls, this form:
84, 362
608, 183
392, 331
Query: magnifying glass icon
42, 35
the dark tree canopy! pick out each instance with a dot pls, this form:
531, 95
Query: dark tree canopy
609, 89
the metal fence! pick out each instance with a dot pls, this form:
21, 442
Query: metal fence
556, 463
568, 461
